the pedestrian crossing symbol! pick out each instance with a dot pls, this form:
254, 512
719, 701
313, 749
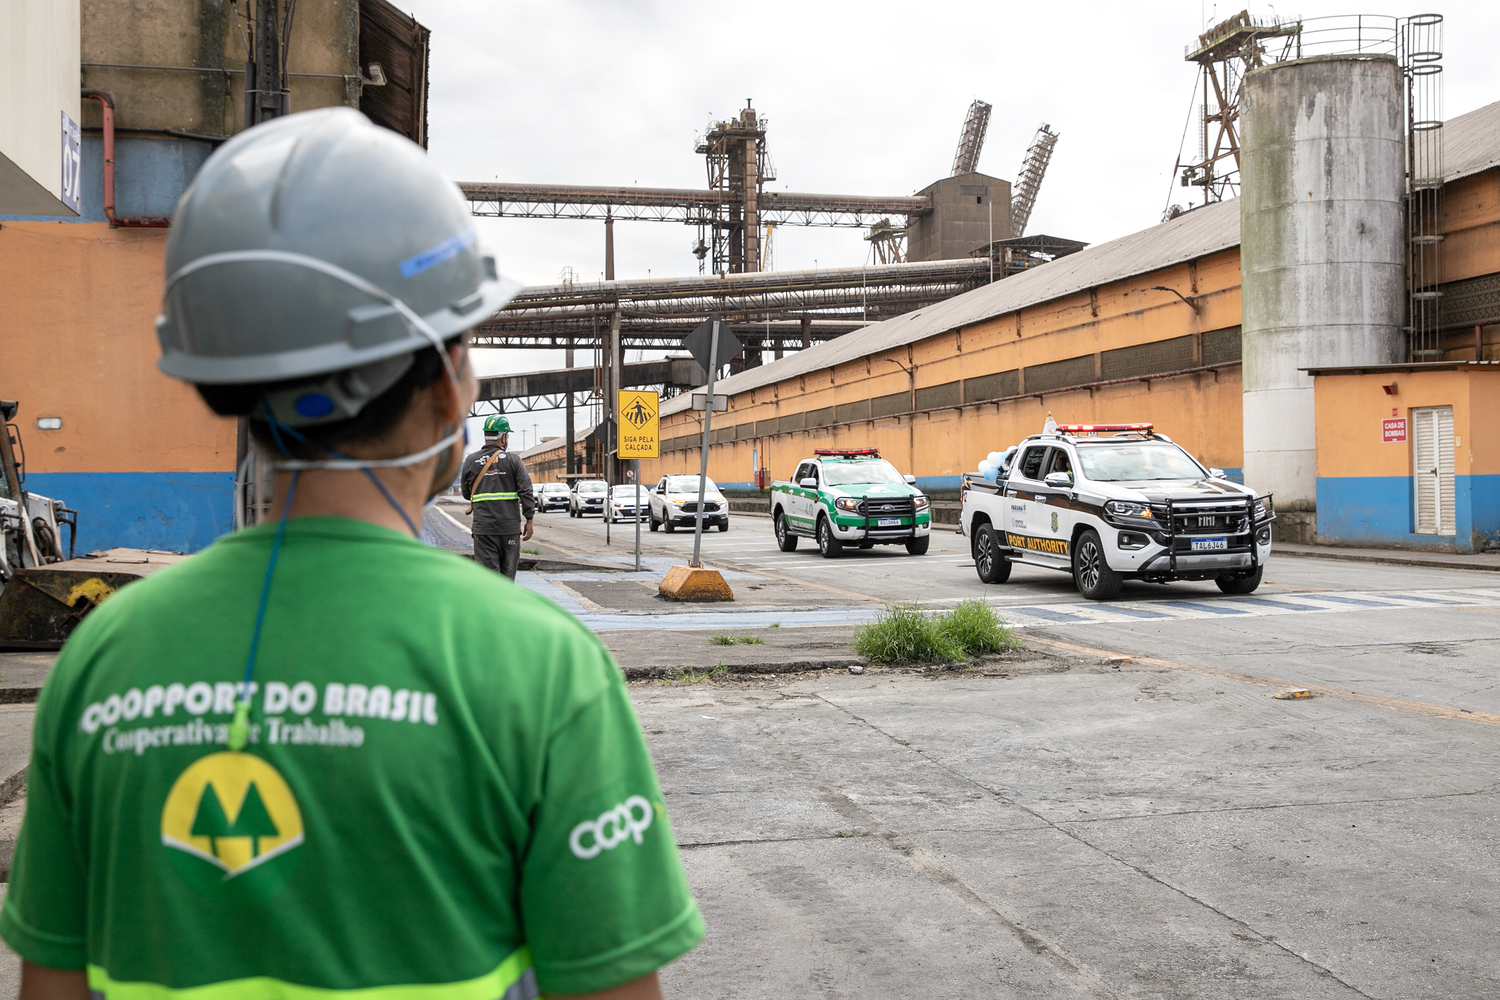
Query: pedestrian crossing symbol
639, 424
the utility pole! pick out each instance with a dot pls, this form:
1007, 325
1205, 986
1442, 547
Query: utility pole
265, 96
611, 377
569, 466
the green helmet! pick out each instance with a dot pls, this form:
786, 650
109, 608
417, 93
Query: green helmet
322, 250
496, 425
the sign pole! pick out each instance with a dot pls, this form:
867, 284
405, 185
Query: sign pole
637, 515
708, 414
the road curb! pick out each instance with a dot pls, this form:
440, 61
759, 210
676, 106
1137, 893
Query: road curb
1386, 560
767, 667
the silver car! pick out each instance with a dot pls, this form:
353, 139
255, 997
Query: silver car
622, 504
587, 497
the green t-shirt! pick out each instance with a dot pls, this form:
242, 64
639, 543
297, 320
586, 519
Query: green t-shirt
446, 788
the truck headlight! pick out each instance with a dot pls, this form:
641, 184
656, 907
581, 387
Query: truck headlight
1263, 509
920, 502
1129, 508
846, 503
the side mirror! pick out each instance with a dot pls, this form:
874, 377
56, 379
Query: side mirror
1059, 480
1216, 473
910, 480
808, 484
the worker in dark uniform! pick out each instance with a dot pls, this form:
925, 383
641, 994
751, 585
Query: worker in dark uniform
499, 493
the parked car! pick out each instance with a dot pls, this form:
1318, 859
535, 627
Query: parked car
674, 504
552, 496
850, 497
1130, 505
622, 503
587, 497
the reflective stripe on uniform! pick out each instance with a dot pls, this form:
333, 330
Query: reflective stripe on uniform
495, 496
513, 979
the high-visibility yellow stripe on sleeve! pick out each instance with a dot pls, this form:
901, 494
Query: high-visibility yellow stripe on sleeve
511, 980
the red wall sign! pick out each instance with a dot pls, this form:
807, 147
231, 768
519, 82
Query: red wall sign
1393, 430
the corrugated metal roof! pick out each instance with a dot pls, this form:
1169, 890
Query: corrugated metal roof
1208, 230
1471, 142
556, 443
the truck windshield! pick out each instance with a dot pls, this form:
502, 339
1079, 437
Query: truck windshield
688, 484
1120, 463
591, 486
860, 473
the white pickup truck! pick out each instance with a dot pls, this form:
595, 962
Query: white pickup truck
850, 497
1106, 508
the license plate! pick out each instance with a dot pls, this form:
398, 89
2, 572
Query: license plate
1210, 544
888, 522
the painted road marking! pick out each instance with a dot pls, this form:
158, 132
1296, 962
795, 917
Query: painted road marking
1213, 609
1076, 613
1050, 615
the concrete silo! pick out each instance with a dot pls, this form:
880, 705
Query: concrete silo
1322, 238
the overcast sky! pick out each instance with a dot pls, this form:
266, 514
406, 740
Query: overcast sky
861, 98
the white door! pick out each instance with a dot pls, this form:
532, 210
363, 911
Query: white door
1432, 469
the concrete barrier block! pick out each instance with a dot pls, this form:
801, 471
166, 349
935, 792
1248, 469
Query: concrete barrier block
686, 583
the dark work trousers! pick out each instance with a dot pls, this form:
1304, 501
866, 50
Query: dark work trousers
501, 553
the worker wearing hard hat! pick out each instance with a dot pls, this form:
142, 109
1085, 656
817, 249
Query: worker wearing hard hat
499, 493
321, 758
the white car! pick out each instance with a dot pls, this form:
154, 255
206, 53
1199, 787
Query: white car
1132, 504
587, 497
674, 503
552, 496
622, 505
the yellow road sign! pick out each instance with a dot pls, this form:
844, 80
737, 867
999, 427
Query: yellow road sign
639, 424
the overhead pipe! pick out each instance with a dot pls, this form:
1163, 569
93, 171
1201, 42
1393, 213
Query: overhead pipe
107, 108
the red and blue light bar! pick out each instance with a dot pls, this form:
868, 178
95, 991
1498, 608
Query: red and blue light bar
847, 452
1097, 428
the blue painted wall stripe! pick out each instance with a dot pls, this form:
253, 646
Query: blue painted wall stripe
1380, 510
177, 511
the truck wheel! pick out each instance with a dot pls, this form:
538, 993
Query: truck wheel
918, 546
785, 540
828, 545
655, 524
669, 525
724, 524
1240, 583
1091, 572
991, 566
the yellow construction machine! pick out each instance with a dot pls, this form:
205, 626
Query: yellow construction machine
43, 593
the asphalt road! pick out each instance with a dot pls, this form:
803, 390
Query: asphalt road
1121, 809
1162, 827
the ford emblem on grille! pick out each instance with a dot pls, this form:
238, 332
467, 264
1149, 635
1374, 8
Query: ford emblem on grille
887, 507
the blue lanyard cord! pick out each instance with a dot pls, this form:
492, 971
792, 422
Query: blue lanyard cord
239, 729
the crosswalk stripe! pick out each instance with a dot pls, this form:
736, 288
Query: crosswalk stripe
1075, 613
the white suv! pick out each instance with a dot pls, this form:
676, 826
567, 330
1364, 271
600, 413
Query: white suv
1105, 508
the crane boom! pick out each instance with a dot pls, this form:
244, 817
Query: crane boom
1030, 182
971, 140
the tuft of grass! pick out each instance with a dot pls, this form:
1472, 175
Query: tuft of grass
904, 633
736, 640
531, 552
907, 634
976, 628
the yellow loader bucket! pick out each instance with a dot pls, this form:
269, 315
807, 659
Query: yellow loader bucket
42, 605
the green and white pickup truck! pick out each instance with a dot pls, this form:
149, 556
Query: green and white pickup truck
850, 497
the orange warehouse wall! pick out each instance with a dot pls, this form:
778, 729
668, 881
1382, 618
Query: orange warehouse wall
1350, 409
1471, 227
79, 343
1200, 411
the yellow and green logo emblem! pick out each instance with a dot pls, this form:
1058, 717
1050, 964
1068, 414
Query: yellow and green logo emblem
233, 810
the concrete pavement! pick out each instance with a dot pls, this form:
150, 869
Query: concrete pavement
1054, 824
